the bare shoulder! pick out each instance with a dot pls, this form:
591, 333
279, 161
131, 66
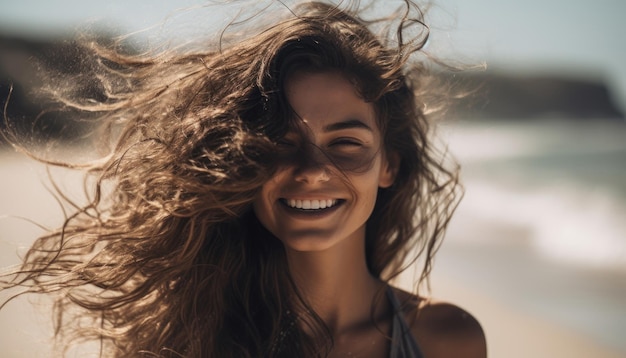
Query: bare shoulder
443, 329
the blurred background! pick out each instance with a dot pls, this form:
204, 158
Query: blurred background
537, 249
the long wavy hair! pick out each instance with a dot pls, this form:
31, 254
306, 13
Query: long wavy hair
167, 257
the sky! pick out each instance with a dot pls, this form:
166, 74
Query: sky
574, 37
583, 38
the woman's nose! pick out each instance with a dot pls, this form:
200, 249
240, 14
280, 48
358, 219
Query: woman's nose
311, 165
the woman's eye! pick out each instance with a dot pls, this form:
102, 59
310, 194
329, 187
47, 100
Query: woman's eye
347, 143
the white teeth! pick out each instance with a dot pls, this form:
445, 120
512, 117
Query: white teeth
310, 204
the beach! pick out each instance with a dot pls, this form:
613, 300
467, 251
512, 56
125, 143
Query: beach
536, 291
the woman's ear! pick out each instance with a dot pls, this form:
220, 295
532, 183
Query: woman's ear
389, 169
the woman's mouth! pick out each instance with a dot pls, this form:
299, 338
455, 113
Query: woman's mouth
307, 204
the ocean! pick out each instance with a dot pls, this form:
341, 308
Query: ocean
543, 223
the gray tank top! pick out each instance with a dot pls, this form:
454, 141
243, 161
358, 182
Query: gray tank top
403, 345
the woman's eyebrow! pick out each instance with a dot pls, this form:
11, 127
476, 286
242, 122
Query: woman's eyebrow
348, 124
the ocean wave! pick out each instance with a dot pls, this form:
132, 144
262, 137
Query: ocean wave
567, 222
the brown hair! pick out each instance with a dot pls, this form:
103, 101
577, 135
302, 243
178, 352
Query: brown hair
167, 258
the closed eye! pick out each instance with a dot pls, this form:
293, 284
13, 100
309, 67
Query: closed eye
347, 142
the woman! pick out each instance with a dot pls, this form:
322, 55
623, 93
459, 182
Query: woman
257, 201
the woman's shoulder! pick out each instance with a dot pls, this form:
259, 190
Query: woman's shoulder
442, 329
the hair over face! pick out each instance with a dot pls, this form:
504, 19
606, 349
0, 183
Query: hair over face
167, 258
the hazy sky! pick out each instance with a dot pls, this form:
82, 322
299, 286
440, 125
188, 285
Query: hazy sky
584, 37
581, 36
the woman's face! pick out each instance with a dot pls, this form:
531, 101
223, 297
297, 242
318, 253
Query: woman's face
332, 165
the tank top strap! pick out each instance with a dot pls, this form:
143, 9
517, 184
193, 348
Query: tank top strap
403, 344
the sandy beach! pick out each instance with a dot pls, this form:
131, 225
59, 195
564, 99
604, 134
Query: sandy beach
515, 334
512, 330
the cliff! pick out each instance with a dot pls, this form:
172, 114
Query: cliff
494, 95
505, 95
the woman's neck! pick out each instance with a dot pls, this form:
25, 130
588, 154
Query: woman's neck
337, 284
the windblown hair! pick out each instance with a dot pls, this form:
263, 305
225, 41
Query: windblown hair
168, 258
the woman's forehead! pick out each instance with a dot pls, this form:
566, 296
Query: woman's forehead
323, 99
330, 82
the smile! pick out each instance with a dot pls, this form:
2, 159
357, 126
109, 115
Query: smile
310, 204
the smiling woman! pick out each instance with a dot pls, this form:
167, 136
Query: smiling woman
259, 199
334, 130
